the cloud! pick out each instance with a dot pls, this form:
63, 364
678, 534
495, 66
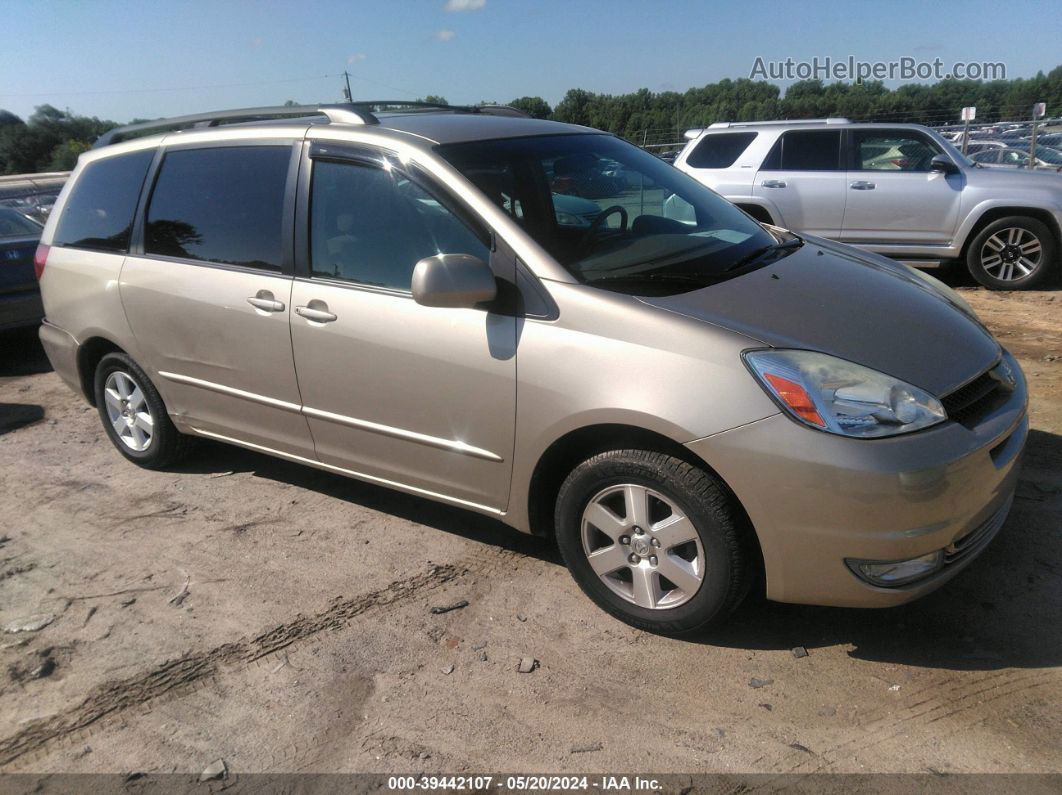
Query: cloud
465, 5
356, 57
444, 35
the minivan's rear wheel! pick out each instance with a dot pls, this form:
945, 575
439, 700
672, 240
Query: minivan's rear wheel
134, 415
653, 540
1015, 253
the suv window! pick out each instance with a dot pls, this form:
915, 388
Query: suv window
891, 150
99, 210
371, 226
719, 150
805, 150
220, 204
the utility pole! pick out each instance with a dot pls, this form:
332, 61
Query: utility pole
1039, 111
346, 92
968, 115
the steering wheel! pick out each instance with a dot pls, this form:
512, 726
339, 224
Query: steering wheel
597, 222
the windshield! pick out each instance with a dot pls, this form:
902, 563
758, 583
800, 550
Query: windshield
15, 224
614, 215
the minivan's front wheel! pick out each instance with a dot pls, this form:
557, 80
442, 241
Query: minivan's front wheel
134, 415
1015, 253
653, 540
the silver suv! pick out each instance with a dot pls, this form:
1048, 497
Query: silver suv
689, 404
897, 189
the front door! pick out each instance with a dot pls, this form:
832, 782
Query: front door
417, 397
893, 197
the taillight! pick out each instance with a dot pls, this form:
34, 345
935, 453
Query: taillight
40, 259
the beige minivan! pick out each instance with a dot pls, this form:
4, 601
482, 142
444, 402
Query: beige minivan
545, 324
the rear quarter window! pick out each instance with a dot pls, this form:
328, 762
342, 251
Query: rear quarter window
720, 150
99, 210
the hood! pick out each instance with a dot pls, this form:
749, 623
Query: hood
1018, 178
830, 298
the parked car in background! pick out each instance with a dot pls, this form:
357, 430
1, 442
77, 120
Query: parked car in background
578, 176
1046, 158
20, 297
33, 194
895, 189
687, 407
980, 146
1054, 140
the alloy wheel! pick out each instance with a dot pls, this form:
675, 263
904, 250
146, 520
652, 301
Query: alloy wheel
1011, 254
128, 411
643, 546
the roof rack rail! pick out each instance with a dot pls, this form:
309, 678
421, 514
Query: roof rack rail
337, 113
489, 110
344, 112
724, 124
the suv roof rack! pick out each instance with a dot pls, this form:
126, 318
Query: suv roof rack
387, 105
342, 112
722, 124
337, 113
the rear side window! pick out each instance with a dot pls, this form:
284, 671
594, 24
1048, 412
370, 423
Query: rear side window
220, 204
806, 150
720, 151
99, 210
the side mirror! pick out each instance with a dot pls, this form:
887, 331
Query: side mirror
943, 164
453, 280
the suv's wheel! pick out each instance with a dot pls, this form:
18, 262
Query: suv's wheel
1014, 253
134, 415
653, 540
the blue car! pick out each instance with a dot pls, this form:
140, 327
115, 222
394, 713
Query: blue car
20, 297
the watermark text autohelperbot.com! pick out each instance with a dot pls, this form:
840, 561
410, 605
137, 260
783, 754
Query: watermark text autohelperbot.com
851, 68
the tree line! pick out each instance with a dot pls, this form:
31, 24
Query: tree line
52, 139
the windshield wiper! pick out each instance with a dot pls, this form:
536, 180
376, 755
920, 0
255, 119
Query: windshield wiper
661, 276
760, 253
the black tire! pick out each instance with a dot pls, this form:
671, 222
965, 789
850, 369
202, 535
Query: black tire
726, 540
981, 252
167, 445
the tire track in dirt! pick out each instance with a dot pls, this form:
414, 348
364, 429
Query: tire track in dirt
112, 698
988, 688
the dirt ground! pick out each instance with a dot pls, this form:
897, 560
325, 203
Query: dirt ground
278, 617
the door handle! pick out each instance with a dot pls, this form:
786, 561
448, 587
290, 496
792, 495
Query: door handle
773, 183
265, 301
317, 311
862, 185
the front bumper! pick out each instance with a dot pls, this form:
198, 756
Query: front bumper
817, 499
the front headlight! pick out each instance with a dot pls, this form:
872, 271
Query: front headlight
568, 219
837, 396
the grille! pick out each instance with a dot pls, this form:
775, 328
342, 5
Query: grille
969, 404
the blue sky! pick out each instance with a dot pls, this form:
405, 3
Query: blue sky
128, 59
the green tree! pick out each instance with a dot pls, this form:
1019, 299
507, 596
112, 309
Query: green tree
51, 139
